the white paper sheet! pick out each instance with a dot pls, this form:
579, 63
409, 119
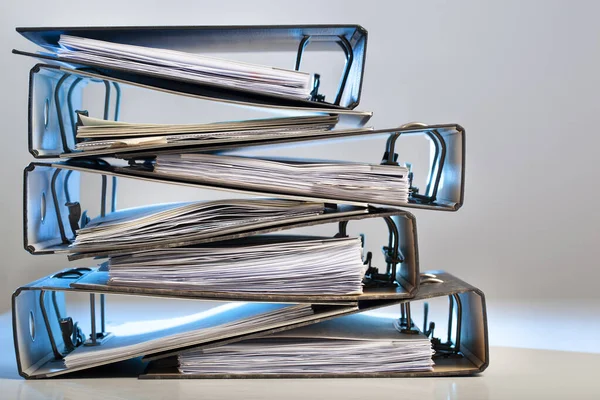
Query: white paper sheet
195, 67
278, 264
358, 343
96, 134
182, 221
330, 180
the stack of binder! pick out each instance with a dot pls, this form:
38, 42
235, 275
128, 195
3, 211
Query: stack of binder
296, 304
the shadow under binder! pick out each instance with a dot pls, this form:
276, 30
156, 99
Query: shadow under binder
466, 354
43, 331
57, 93
351, 40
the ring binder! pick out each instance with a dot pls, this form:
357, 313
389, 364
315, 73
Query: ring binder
406, 286
41, 355
444, 189
351, 38
35, 356
467, 355
402, 261
53, 90
49, 236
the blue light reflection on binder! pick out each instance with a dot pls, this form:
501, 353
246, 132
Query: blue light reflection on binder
137, 327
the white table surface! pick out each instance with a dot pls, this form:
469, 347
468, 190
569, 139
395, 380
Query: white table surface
514, 373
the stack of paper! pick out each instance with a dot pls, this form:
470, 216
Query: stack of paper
97, 134
327, 180
127, 228
215, 324
358, 343
193, 67
275, 264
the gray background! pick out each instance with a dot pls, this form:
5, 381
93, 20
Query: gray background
521, 77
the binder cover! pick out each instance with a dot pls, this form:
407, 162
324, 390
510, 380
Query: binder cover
40, 316
468, 354
56, 93
52, 211
444, 189
41, 326
352, 40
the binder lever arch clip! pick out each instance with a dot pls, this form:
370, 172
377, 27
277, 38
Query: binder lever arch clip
390, 157
392, 253
347, 47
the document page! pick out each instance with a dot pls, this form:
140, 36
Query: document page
99, 128
281, 265
358, 343
193, 67
379, 184
96, 134
227, 321
142, 226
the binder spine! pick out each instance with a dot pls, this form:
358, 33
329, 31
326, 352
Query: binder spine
36, 328
51, 205
49, 197
474, 333
54, 98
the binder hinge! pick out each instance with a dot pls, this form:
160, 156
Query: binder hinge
142, 164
